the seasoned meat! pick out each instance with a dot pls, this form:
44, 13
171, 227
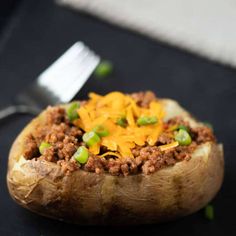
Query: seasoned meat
203, 134
143, 99
31, 147
64, 139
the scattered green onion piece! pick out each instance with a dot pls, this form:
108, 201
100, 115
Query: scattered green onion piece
81, 155
183, 127
43, 146
71, 112
101, 131
209, 125
183, 137
91, 138
104, 69
122, 122
146, 120
209, 212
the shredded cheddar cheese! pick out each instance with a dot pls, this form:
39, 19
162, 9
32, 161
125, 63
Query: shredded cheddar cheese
169, 146
110, 154
105, 110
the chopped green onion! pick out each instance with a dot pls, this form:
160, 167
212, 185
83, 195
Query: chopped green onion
91, 138
183, 137
146, 120
71, 111
81, 155
209, 212
43, 146
101, 131
183, 127
104, 69
209, 125
122, 122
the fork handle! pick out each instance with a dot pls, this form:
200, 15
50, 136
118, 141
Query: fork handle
18, 109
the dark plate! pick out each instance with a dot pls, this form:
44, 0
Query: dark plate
40, 31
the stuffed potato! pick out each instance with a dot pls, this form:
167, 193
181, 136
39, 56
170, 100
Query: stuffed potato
115, 159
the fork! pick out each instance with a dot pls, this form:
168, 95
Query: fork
59, 83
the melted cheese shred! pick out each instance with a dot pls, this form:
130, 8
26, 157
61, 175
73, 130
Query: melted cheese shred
106, 110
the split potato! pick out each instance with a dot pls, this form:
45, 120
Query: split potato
101, 199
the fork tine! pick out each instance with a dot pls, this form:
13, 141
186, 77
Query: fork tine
68, 74
72, 72
62, 61
77, 84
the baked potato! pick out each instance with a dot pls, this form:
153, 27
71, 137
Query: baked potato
179, 179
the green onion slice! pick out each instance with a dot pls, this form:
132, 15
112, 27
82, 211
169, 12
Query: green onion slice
104, 69
183, 127
146, 120
43, 146
209, 212
81, 155
101, 131
183, 137
71, 111
122, 122
91, 138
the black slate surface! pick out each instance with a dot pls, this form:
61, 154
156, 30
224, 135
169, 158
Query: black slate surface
41, 31
6, 10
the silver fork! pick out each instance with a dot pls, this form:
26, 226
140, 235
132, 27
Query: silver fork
59, 83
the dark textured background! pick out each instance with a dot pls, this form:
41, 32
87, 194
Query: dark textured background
39, 31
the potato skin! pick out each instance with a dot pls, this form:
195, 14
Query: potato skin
91, 199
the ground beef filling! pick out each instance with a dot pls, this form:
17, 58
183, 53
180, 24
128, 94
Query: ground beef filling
65, 138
